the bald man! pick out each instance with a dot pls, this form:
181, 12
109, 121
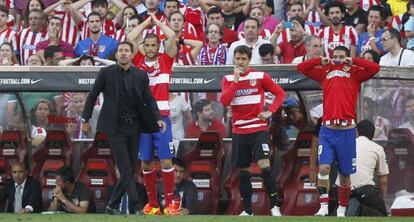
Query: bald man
22, 192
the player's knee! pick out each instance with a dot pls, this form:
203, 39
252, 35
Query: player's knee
324, 169
264, 163
147, 165
166, 164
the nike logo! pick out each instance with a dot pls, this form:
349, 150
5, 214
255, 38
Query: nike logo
35, 81
294, 80
208, 81
273, 194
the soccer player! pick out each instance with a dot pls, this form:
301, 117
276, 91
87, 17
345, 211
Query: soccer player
244, 92
159, 69
340, 78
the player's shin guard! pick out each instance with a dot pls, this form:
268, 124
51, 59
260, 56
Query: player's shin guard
343, 196
150, 180
323, 190
270, 185
246, 191
168, 185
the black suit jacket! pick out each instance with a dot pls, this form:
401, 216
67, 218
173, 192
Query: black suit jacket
107, 83
32, 194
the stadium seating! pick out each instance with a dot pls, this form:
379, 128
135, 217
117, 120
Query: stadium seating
400, 155
13, 146
56, 152
205, 162
98, 170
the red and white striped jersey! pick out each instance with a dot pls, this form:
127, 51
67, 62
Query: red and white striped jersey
159, 74
26, 43
108, 29
70, 31
285, 35
120, 35
314, 18
366, 4
9, 4
9, 35
347, 37
396, 22
247, 99
265, 34
197, 18
184, 57
188, 28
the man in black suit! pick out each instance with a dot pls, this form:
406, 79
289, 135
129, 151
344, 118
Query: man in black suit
128, 109
23, 193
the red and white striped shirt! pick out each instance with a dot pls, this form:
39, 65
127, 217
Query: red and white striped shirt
247, 99
366, 4
10, 20
70, 32
188, 28
26, 42
9, 35
347, 37
120, 35
197, 18
159, 74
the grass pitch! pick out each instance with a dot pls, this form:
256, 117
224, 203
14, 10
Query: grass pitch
198, 218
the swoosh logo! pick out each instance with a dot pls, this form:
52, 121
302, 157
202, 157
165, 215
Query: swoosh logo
35, 81
294, 80
208, 81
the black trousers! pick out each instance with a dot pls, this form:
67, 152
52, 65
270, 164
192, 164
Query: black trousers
366, 201
124, 145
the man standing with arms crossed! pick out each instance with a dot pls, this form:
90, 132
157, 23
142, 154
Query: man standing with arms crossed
340, 79
128, 109
244, 92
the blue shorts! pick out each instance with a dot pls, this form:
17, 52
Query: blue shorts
159, 144
339, 145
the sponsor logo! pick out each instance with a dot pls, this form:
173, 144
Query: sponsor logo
333, 45
61, 119
308, 198
29, 47
86, 81
188, 81
35, 81
338, 73
208, 81
253, 82
246, 92
291, 81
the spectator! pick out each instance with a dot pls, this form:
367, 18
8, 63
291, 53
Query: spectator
294, 115
396, 56
409, 26
366, 200
382, 125
85, 60
195, 13
180, 115
269, 22
185, 190
314, 49
34, 60
31, 5
251, 28
29, 37
99, 6
97, 44
372, 38
233, 16
40, 112
6, 34
125, 12
267, 54
53, 55
215, 15
170, 6
258, 14
54, 28
214, 51
338, 34
75, 110
130, 23
70, 196
372, 56
205, 121
22, 192
7, 56
355, 16
289, 50
188, 45
409, 110
153, 7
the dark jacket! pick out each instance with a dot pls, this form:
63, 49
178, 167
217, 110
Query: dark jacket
32, 194
107, 83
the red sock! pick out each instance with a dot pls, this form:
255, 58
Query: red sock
168, 185
343, 196
150, 180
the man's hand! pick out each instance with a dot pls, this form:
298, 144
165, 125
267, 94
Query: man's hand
371, 29
264, 115
325, 61
162, 125
58, 193
86, 128
348, 61
279, 29
237, 71
313, 175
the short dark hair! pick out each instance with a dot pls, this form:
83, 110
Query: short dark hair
375, 56
214, 10
94, 14
394, 33
295, 3
179, 162
342, 48
126, 43
265, 49
67, 174
176, 12
136, 17
4, 9
84, 57
51, 50
54, 17
409, 4
131, 7
300, 20
366, 128
96, 3
377, 8
200, 104
176, 1
334, 4
242, 49
251, 18
152, 36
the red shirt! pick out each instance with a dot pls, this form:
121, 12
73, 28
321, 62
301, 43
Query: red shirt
229, 36
67, 48
340, 88
247, 99
289, 51
159, 74
194, 130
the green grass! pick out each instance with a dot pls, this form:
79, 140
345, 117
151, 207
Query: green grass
107, 218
